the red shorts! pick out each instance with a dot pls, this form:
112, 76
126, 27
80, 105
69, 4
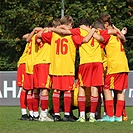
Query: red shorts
41, 76
23, 79
20, 75
28, 81
91, 74
63, 83
118, 81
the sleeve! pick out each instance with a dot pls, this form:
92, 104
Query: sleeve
77, 39
46, 37
75, 31
105, 35
36, 37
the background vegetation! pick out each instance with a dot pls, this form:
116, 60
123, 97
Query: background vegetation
18, 17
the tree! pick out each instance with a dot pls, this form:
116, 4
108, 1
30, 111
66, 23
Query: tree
21, 16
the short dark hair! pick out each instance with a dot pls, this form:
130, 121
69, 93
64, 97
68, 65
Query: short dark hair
98, 24
84, 21
105, 18
56, 22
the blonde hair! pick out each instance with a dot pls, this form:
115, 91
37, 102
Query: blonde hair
66, 20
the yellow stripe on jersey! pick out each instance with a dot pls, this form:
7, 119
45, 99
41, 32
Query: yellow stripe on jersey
80, 79
48, 82
112, 83
23, 80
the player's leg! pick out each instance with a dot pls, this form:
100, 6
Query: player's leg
81, 104
30, 104
44, 106
23, 94
119, 106
67, 106
124, 114
96, 78
109, 102
35, 101
121, 83
28, 85
23, 104
93, 103
109, 105
56, 105
98, 110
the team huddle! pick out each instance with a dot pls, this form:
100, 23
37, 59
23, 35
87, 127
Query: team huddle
48, 63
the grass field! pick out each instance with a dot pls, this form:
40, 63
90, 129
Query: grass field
10, 123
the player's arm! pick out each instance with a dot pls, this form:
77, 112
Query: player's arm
98, 37
32, 33
60, 30
117, 32
89, 36
25, 36
44, 36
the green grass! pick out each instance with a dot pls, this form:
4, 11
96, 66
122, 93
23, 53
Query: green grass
10, 123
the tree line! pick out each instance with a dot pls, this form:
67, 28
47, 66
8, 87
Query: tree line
18, 17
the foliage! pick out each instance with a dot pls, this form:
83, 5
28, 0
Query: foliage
11, 50
18, 17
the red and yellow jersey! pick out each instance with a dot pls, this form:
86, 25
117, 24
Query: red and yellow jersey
31, 54
104, 59
116, 57
22, 59
63, 52
43, 54
91, 51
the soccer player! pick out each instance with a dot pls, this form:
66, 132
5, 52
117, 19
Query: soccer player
41, 73
83, 50
32, 96
20, 82
117, 72
63, 52
25, 78
90, 73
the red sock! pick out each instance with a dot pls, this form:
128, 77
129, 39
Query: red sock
93, 104
23, 99
56, 102
67, 102
44, 102
109, 107
104, 104
81, 103
124, 111
119, 108
35, 99
29, 102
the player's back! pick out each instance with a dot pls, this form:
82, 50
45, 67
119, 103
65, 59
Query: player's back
63, 52
116, 57
91, 51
